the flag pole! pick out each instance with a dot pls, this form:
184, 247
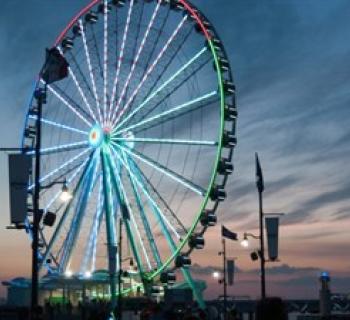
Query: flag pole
260, 187
225, 233
262, 248
225, 280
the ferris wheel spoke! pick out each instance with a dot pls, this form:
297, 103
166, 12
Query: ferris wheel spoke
145, 222
156, 42
120, 59
68, 180
61, 148
175, 110
160, 217
138, 55
167, 141
60, 224
76, 222
96, 229
113, 261
91, 73
80, 90
162, 87
61, 167
70, 100
143, 177
99, 60
105, 58
172, 89
169, 173
129, 215
170, 58
82, 75
176, 115
117, 116
59, 125
153, 203
67, 104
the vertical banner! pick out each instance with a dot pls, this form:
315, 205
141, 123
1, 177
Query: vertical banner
272, 225
230, 272
19, 168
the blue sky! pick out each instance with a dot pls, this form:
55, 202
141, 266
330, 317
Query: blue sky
291, 65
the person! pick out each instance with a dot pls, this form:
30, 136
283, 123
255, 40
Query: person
202, 315
69, 308
271, 308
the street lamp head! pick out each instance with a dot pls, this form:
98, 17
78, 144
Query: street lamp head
68, 273
65, 194
245, 242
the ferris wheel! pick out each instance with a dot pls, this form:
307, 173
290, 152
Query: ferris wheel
141, 133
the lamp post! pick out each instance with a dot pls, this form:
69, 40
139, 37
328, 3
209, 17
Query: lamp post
54, 69
40, 96
260, 187
224, 279
262, 247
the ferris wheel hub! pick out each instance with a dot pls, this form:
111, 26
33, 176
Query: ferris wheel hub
96, 136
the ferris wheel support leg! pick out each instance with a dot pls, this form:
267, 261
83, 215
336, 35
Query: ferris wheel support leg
110, 226
186, 273
126, 219
196, 292
75, 227
146, 225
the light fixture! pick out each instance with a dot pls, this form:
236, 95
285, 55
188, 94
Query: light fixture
65, 194
216, 275
245, 242
68, 273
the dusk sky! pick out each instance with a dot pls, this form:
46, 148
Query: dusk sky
291, 64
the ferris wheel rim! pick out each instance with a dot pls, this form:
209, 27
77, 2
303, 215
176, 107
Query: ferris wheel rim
205, 201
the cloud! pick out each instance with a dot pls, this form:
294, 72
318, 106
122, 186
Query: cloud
208, 270
287, 270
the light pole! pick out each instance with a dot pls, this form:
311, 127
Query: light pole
40, 96
224, 279
54, 69
260, 187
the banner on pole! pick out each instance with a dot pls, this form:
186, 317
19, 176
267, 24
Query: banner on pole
259, 175
19, 169
226, 233
272, 226
230, 272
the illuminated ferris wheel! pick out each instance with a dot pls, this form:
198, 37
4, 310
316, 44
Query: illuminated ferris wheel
141, 133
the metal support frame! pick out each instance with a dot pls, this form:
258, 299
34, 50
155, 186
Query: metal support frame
120, 280
186, 273
147, 227
76, 221
110, 229
125, 218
